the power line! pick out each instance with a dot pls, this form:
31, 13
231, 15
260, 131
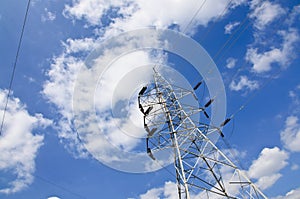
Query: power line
194, 16
219, 17
58, 186
268, 80
9, 93
257, 92
14, 66
184, 30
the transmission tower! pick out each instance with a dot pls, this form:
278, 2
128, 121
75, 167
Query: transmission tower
202, 169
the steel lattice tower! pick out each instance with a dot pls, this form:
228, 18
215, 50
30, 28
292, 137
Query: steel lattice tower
202, 169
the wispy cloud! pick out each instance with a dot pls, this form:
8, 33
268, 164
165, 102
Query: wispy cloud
48, 16
58, 90
243, 83
229, 27
290, 135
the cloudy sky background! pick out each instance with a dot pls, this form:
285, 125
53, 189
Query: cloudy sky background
255, 45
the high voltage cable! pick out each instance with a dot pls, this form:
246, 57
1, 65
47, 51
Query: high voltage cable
264, 84
14, 67
244, 63
219, 17
9, 93
273, 76
59, 186
194, 16
218, 54
256, 93
184, 30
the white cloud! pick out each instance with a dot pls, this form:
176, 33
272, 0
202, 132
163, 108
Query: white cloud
91, 10
79, 45
267, 181
141, 13
53, 197
230, 62
295, 167
262, 62
62, 74
18, 144
244, 83
228, 175
266, 168
264, 13
294, 94
229, 27
59, 91
293, 194
168, 191
290, 136
152, 193
48, 16
130, 15
294, 15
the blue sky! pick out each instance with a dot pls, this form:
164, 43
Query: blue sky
255, 45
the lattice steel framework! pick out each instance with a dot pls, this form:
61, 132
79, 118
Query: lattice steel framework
202, 169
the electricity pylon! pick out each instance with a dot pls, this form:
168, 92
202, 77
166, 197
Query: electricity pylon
202, 169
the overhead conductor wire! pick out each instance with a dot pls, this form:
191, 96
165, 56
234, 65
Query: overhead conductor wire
268, 80
184, 30
232, 116
14, 67
10, 91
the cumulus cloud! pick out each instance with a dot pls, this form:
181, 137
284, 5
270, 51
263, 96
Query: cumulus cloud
91, 10
228, 174
168, 191
141, 13
290, 136
266, 168
229, 27
264, 13
110, 88
263, 61
18, 144
127, 15
267, 181
243, 83
230, 62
